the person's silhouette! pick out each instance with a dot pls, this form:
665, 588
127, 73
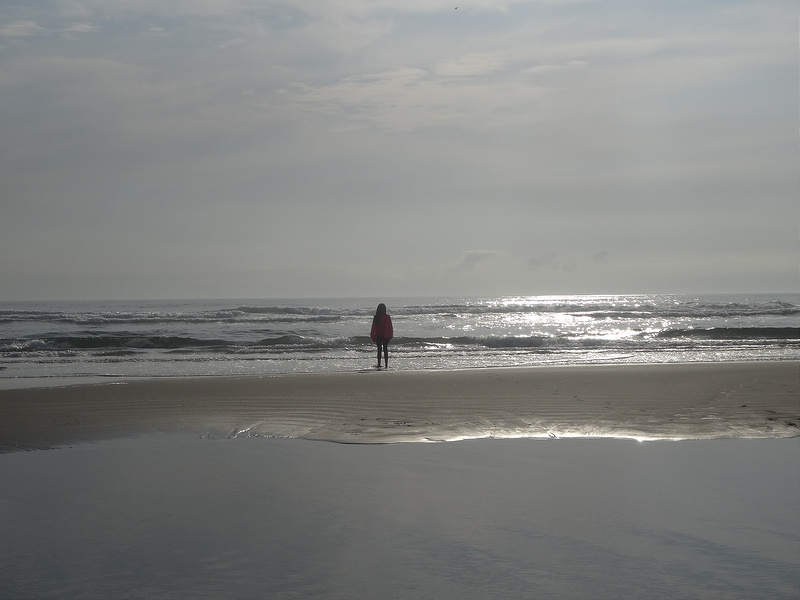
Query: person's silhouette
381, 333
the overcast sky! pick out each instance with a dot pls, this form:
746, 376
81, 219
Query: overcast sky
249, 148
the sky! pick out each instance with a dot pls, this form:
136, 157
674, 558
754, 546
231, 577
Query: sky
368, 148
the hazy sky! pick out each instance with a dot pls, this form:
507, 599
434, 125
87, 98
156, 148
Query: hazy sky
249, 148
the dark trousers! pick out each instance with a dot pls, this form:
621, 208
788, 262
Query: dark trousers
383, 344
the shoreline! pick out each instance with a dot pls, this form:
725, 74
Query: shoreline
641, 401
90, 380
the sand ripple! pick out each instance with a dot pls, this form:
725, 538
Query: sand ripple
686, 401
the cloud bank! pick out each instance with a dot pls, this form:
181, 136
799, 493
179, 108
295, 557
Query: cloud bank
227, 148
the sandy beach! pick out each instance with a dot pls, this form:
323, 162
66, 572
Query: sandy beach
665, 401
170, 488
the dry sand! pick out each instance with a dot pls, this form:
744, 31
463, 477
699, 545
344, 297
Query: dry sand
664, 401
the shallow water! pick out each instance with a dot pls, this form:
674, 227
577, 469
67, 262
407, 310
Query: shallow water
171, 516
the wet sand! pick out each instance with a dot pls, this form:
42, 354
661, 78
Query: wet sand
153, 499
664, 401
178, 517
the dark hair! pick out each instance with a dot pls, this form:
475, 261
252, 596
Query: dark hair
379, 313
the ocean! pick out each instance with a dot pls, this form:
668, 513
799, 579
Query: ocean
48, 343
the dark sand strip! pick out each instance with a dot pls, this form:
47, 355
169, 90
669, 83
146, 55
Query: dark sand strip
664, 401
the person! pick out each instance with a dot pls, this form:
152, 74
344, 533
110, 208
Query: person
381, 333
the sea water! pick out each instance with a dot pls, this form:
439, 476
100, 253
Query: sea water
54, 342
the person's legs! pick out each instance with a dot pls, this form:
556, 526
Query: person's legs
383, 346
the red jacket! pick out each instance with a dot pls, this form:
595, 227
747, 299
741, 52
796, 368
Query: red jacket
383, 329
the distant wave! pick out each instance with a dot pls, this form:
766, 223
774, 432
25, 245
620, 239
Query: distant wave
297, 310
97, 342
89, 318
734, 333
299, 342
632, 308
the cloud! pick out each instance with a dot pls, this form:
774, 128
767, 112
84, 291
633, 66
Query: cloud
22, 29
410, 99
471, 65
552, 68
78, 28
472, 258
385, 136
551, 261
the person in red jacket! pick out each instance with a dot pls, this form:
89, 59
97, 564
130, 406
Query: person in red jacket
381, 333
